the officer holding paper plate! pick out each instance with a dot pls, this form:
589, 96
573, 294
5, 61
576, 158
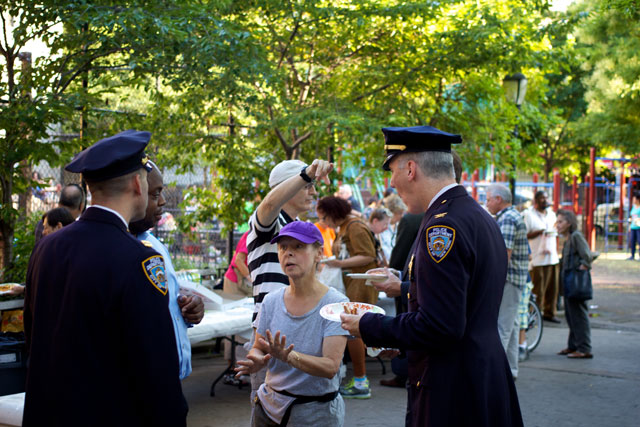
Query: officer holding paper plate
458, 371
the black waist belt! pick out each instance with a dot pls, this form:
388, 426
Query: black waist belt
299, 399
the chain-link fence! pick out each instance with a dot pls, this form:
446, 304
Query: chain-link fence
206, 247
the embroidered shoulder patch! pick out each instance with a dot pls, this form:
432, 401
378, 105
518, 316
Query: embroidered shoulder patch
146, 243
154, 270
440, 239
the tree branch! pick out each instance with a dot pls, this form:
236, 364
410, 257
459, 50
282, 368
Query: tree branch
84, 67
306, 85
4, 31
566, 124
300, 139
286, 47
281, 137
386, 86
373, 92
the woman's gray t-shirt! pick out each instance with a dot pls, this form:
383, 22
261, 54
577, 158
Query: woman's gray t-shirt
306, 333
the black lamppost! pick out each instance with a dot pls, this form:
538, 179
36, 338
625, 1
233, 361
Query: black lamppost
515, 87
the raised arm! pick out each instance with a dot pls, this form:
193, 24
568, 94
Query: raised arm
270, 207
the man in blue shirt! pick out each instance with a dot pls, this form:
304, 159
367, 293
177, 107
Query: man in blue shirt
185, 311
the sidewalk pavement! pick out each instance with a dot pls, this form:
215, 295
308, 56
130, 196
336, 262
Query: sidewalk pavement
553, 390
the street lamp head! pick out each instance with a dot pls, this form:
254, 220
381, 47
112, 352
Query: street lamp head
515, 87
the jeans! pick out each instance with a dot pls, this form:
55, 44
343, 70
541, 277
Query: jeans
634, 239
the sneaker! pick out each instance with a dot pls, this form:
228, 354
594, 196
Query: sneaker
350, 391
230, 379
523, 354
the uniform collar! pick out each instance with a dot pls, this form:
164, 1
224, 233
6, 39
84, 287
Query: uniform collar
102, 214
144, 235
116, 213
441, 192
449, 192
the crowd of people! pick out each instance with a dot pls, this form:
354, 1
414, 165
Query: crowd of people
462, 275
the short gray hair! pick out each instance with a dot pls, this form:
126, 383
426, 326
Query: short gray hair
500, 191
346, 188
394, 203
433, 164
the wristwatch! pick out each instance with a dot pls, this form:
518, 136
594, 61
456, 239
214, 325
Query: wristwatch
303, 175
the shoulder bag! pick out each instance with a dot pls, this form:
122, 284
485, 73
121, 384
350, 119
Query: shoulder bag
577, 282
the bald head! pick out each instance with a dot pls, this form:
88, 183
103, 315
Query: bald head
72, 198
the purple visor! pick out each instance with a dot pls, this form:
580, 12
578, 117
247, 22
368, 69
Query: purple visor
303, 231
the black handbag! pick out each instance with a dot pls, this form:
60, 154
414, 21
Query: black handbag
577, 283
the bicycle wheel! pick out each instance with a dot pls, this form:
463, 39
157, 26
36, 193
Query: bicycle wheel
534, 326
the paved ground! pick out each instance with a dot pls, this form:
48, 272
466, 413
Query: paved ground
553, 390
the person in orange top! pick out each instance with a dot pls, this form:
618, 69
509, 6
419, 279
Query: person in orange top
328, 234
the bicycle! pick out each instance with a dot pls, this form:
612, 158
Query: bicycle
534, 325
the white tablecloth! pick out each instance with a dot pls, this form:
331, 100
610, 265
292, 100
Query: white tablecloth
11, 409
236, 321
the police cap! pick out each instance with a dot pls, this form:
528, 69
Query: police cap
416, 139
112, 157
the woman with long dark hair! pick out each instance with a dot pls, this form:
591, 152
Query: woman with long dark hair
355, 250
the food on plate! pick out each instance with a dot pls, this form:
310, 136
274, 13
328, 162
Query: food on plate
332, 311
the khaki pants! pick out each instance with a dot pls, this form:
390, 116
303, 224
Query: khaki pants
545, 280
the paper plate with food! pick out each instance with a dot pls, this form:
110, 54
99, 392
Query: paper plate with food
378, 277
332, 311
6, 288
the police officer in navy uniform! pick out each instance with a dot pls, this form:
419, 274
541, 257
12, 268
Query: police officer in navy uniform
458, 371
102, 351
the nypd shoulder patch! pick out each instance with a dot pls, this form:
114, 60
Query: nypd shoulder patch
440, 240
154, 270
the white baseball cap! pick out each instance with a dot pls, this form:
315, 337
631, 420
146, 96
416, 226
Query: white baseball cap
285, 170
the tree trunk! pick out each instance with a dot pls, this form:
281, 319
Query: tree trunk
6, 226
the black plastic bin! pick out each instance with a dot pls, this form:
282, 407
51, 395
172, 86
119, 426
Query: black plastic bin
13, 363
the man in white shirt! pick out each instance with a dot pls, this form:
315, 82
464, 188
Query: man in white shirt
540, 221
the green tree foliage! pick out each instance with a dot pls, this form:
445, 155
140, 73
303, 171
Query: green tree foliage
237, 86
324, 77
612, 32
556, 104
89, 41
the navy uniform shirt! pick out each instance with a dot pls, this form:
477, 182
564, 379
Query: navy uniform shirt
101, 346
458, 371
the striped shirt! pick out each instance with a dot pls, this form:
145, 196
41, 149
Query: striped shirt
262, 258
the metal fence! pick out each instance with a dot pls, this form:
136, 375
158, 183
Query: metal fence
207, 248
